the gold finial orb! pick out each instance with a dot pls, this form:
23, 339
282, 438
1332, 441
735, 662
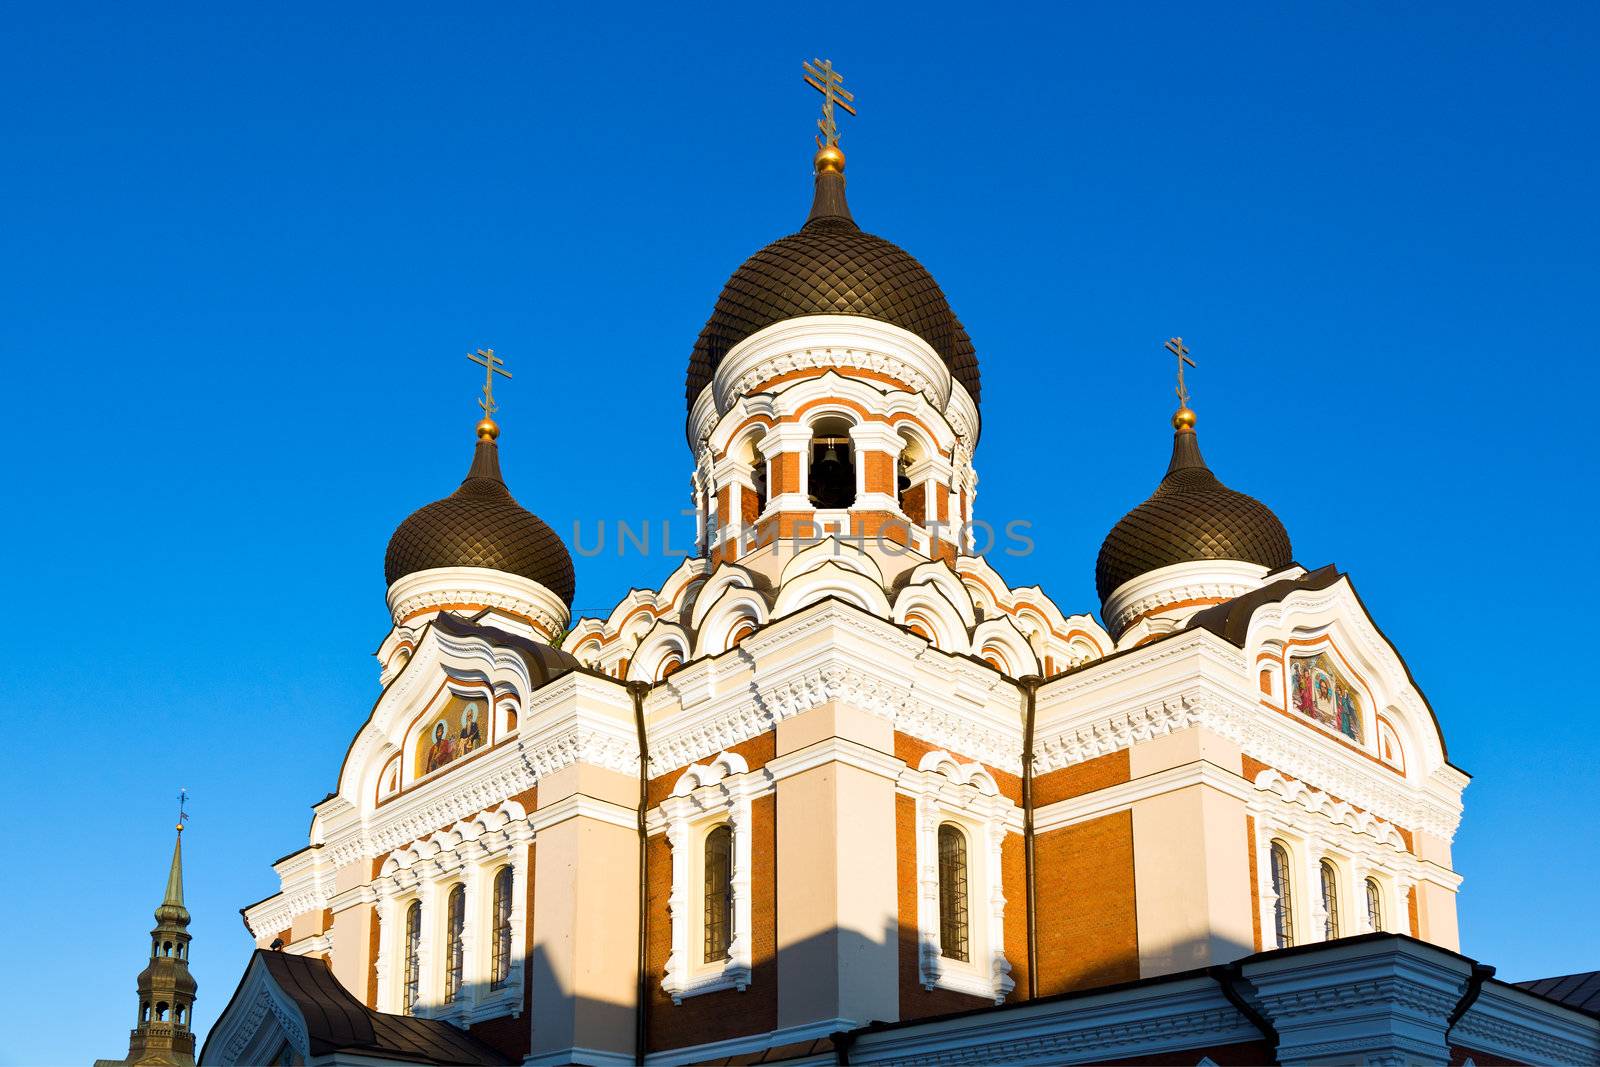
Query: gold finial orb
489, 429
829, 157
1183, 419
180, 828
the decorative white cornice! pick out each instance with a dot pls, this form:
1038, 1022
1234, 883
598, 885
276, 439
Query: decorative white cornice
813, 342
1194, 584
477, 587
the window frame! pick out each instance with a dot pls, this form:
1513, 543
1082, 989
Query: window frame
501, 907
705, 798
1280, 879
455, 942
1328, 887
965, 796
411, 959
955, 893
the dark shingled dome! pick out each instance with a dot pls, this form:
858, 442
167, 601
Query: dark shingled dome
481, 525
832, 268
1191, 516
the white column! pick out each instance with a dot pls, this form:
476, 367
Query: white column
1269, 897
474, 969
387, 914
430, 969
1316, 914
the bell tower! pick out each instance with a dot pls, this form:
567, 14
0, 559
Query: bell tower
166, 989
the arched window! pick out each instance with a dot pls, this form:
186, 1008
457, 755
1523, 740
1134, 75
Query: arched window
833, 469
1283, 909
1330, 901
413, 966
500, 968
454, 941
1374, 905
177, 1016
144, 1012
719, 893
909, 497
161, 1012
953, 926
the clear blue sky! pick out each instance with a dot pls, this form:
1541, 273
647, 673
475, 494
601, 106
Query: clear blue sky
242, 257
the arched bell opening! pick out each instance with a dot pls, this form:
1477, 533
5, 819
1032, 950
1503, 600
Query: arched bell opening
752, 459
912, 499
832, 482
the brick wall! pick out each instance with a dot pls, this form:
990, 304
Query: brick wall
725, 1013
1088, 932
1080, 778
915, 1001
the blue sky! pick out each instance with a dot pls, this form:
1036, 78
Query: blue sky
243, 255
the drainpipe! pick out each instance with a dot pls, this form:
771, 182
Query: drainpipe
1030, 687
1227, 976
1481, 973
637, 690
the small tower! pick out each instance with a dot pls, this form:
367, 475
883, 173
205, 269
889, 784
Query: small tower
166, 989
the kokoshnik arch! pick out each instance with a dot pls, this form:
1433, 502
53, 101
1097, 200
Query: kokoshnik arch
814, 804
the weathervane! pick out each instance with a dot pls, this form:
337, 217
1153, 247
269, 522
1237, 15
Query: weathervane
821, 76
492, 365
183, 815
1176, 346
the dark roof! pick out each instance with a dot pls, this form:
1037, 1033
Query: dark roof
545, 662
1230, 620
831, 267
1580, 991
1191, 516
481, 525
337, 1022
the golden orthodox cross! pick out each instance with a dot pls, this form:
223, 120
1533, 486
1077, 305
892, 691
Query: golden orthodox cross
492, 365
821, 76
1176, 346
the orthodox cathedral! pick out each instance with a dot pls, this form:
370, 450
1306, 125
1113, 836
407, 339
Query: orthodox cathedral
836, 792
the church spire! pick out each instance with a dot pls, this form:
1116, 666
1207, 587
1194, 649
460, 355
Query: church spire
828, 203
162, 1033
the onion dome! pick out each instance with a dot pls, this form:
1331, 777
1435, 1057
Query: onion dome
481, 525
1190, 517
832, 267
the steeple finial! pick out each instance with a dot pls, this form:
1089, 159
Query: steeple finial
1183, 419
820, 75
492, 365
828, 163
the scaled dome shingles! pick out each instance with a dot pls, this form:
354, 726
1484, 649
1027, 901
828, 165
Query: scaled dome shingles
1191, 516
832, 268
481, 525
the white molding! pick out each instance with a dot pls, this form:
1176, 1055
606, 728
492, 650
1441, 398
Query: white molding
966, 795
1126, 794
479, 587
1155, 592
712, 1051
812, 342
1164, 1018
718, 792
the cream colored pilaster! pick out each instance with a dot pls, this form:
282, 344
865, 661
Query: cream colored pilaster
351, 935
1311, 878
474, 954
1191, 859
388, 941
838, 925
584, 962
1436, 902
